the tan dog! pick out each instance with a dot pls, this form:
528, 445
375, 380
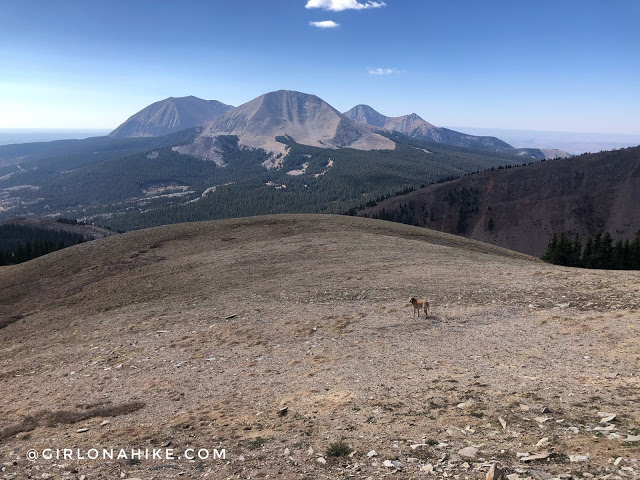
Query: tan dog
419, 304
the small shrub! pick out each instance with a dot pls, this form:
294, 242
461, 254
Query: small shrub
338, 449
257, 443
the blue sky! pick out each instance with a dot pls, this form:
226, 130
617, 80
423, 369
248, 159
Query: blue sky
544, 65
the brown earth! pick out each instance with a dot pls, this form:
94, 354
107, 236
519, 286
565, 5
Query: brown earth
527, 205
197, 335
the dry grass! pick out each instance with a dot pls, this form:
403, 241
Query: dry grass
66, 417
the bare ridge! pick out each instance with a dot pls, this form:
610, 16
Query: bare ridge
306, 118
170, 115
414, 126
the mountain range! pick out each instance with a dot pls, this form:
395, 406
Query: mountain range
170, 115
306, 118
325, 162
414, 126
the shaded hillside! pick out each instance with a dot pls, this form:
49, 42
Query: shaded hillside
520, 208
170, 115
87, 231
71, 153
289, 334
22, 239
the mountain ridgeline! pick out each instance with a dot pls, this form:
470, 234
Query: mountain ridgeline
170, 115
306, 118
414, 126
521, 208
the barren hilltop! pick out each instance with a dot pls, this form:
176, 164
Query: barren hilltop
170, 115
287, 341
306, 118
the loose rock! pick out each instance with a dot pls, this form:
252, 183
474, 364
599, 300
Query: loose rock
428, 468
503, 423
468, 452
495, 473
578, 458
466, 404
542, 442
538, 456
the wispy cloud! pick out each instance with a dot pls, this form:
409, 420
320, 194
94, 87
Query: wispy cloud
382, 71
339, 5
325, 24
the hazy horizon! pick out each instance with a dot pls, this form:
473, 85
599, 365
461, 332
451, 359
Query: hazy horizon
9, 136
571, 142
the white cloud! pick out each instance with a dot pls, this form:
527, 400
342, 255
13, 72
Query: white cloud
325, 24
382, 71
339, 5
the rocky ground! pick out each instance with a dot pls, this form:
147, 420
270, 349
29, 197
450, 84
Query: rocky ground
287, 341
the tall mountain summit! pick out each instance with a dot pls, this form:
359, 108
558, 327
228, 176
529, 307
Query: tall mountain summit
305, 118
416, 127
170, 115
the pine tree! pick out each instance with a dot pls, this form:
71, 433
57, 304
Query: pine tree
576, 252
20, 254
626, 255
618, 256
587, 254
607, 251
564, 250
635, 253
551, 255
